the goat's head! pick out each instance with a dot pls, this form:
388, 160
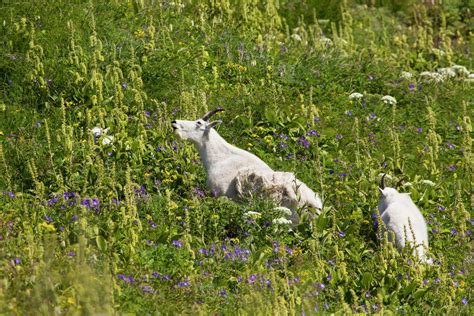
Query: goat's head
198, 130
389, 195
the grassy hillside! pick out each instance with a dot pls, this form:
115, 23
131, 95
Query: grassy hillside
124, 222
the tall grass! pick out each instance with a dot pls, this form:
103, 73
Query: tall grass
123, 222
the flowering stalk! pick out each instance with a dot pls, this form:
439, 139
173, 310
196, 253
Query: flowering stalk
467, 144
39, 190
395, 137
5, 166
434, 140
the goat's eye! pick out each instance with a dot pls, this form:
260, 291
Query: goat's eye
198, 123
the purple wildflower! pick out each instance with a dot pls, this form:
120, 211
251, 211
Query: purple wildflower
53, 201
452, 168
48, 219
123, 277
124, 85
177, 243
147, 289
464, 301
303, 142
342, 234
338, 136
419, 129
152, 224
252, 278
71, 254
95, 202
184, 283
199, 192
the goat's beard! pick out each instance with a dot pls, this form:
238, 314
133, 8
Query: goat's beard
179, 134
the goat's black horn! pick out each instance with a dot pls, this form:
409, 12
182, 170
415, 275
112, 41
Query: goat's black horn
382, 184
399, 183
211, 113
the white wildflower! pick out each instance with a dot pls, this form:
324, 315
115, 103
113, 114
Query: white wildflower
296, 37
471, 76
389, 99
447, 72
460, 70
406, 75
107, 140
102, 133
356, 95
427, 182
284, 210
407, 184
326, 41
432, 76
282, 221
252, 214
97, 131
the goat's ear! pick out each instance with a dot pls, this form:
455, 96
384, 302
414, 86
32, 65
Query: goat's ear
212, 124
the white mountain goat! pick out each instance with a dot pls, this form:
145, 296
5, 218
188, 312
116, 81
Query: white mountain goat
234, 172
401, 216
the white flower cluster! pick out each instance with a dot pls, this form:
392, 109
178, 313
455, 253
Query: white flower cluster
356, 95
432, 76
406, 75
427, 182
282, 221
445, 73
388, 99
296, 37
283, 210
252, 214
102, 133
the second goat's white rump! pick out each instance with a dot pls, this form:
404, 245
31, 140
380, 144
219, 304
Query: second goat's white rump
232, 171
402, 217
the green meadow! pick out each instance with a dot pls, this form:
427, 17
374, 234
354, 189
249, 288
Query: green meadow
337, 92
